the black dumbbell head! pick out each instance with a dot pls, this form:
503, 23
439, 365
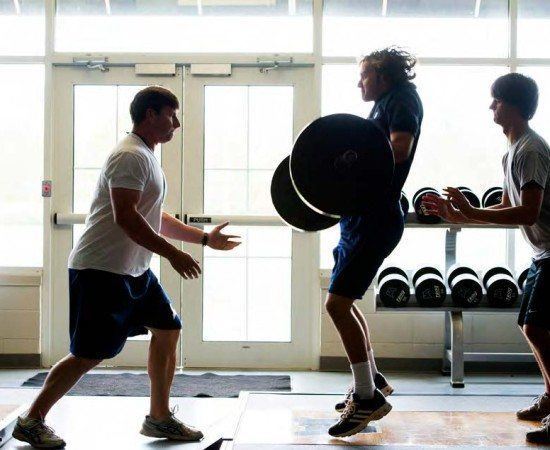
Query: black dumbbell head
458, 269
430, 289
424, 271
392, 271
469, 194
495, 271
492, 196
419, 208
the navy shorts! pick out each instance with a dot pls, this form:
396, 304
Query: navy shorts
365, 242
535, 302
106, 308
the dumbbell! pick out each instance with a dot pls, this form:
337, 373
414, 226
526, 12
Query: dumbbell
393, 287
429, 287
522, 278
502, 290
465, 286
404, 201
469, 194
492, 197
420, 209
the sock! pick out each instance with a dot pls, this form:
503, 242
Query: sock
363, 380
370, 354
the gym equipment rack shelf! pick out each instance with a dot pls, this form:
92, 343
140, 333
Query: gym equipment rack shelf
454, 355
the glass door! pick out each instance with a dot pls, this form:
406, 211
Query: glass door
255, 306
91, 113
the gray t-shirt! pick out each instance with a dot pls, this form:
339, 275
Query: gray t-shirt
528, 161
104, 245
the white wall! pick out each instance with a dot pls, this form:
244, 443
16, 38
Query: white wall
20, 311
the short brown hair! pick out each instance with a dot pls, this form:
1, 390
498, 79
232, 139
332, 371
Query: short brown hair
152, 97
394, 63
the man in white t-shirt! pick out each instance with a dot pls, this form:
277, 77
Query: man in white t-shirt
113, 293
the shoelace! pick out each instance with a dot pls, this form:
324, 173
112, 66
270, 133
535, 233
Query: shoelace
40, 428
350, 409
546, 420
173, 412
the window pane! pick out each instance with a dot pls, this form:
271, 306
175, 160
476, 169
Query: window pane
428, 28
533, 28
22, 27
248, 131
258, 305
22, 143
541, 121
481, 249
184, 26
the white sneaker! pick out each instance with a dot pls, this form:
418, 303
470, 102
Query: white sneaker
171, 428
36, 433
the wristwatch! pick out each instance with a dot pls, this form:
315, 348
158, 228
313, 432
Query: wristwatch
204, 240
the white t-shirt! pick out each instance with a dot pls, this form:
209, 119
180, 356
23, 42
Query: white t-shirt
104, 245
528, 161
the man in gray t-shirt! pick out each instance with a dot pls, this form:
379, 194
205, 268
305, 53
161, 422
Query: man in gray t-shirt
526, 203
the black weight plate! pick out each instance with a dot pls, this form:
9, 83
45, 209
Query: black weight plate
419, 208
290, 207
342, 165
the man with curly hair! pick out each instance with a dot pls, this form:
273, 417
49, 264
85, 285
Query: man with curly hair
367, 239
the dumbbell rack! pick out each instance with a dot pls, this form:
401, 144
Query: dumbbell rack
454, 355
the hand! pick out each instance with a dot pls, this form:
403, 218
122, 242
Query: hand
459, 201
219, 241
185, 265
438, 206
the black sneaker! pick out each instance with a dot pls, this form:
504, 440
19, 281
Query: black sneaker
540, 435
358, 413
36, 433
380, 383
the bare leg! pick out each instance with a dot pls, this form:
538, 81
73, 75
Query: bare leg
63, 376
539, 340
363, 322
161, 367
349, 327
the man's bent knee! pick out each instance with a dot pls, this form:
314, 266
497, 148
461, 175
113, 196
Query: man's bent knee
337, 306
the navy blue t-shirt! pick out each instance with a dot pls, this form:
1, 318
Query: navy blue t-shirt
399, 109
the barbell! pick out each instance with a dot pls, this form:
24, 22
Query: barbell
340, 165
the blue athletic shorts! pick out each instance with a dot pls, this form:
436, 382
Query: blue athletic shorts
365, 242
106, 308
535, 302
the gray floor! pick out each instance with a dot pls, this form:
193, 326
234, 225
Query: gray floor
86, 421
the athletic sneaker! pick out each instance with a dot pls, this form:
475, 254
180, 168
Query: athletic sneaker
540, 435
36, 433
380, 383
358, 413
538, 410
171, 428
